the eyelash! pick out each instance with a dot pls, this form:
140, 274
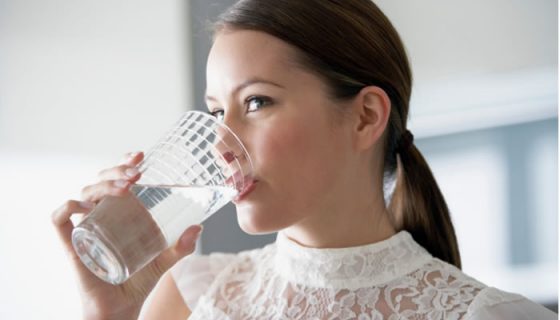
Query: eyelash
216, 112
266, 101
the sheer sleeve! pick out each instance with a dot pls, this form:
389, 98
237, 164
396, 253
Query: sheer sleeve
194, 274
492, 304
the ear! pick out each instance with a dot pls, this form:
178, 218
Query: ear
372, 108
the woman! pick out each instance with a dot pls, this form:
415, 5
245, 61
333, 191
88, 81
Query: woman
318, 92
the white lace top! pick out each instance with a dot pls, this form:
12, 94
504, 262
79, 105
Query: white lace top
392, 279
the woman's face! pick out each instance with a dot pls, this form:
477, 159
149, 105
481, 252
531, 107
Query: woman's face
287, 122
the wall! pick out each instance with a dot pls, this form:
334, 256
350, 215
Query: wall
81, 83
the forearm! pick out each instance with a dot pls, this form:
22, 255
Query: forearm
97, 312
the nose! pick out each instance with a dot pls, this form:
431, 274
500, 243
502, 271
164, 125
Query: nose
232, 133
234, 157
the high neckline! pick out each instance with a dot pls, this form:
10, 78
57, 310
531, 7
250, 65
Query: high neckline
349, 268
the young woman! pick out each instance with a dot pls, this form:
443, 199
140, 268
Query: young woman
318, 91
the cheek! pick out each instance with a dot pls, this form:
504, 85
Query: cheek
297, 160
295, 179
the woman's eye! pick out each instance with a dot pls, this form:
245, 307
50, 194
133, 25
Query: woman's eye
218, 114
255, 102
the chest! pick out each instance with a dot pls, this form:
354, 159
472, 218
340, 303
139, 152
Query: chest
264, 294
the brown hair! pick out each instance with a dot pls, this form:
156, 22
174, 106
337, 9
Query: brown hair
351, 44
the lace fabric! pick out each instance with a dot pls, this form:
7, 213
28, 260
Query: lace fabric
392, 279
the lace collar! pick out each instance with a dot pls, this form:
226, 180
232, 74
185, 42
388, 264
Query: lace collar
349, 268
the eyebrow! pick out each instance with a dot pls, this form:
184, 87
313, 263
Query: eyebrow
247, 83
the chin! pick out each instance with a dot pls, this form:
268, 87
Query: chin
258, 222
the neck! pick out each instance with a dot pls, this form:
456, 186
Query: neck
343, 224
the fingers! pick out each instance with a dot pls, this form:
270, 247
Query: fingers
63, 224
126, 170
133, 158
121, 172
115, 181
96, 192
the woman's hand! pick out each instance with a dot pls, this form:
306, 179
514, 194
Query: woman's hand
102, 300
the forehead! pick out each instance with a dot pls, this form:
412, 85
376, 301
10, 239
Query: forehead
238, 54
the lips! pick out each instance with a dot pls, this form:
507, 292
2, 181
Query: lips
250, 185
237, 180
245, 184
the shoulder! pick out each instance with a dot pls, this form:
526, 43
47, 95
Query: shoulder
194, 275
442, 276
492, 303
451, 293
198, 266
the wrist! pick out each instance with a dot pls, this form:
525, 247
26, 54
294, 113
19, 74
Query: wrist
130, 313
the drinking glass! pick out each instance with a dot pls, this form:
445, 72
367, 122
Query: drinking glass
198, 167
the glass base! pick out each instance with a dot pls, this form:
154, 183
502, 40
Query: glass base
97, 256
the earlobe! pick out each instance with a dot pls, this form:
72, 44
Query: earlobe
373, 108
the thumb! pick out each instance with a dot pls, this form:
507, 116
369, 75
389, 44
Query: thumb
184, 246
187, 241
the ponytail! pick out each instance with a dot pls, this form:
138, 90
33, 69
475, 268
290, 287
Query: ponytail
418, 204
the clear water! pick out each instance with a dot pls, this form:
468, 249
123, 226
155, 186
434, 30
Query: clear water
174, 208
122, 234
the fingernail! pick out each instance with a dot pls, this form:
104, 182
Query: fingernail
129, 156
86, 204
121, 183
189, 239
132, 154
200, 231
131, 172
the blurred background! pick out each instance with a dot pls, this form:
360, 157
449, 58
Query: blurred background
83, 82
